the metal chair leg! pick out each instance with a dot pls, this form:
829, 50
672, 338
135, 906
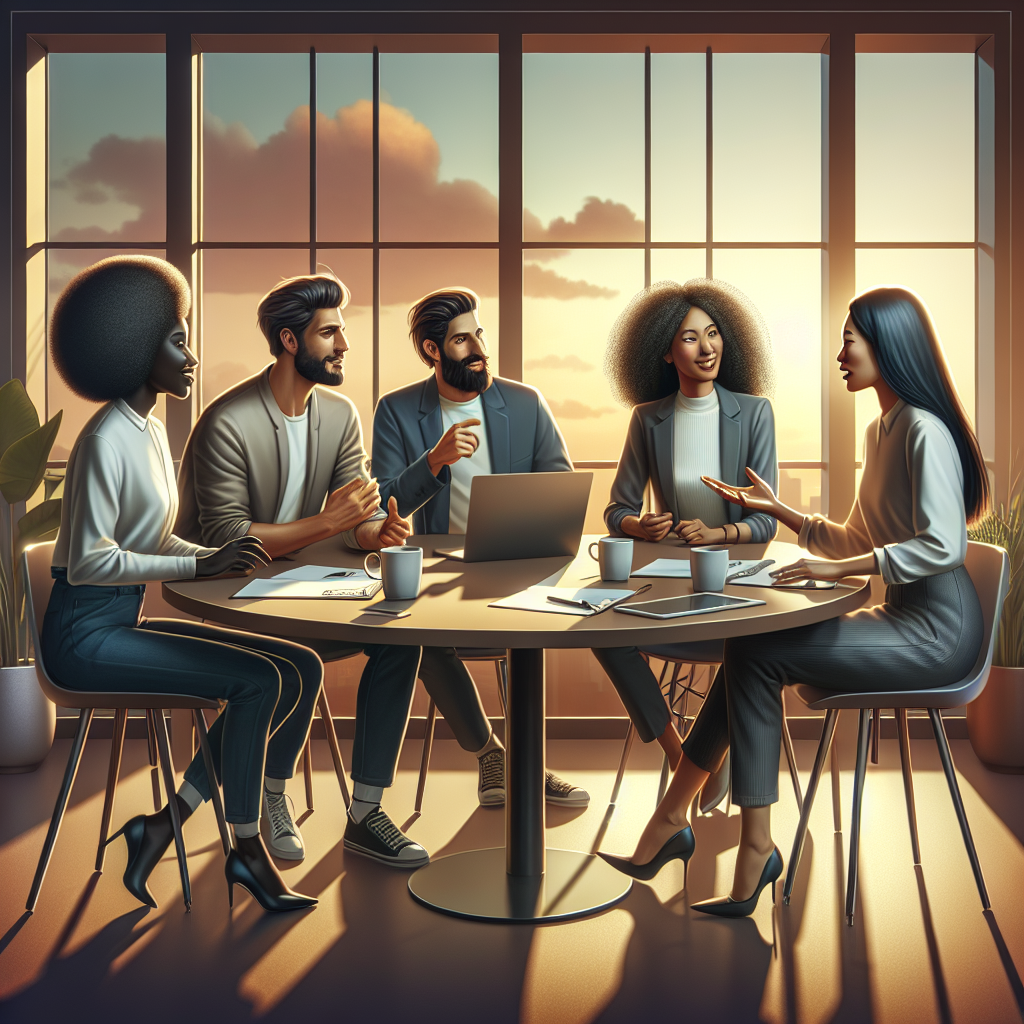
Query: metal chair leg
428, 742
74, 757
787, 745
211, 775
501, 670
332, 745
837, 799
908, 780
827, 731
113, 768
630, 733
307, 773
876, 730
863, 738
663, 778
954, 791
154, 773
167, 767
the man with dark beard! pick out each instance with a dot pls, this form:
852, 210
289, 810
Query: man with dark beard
429, 440
280, 456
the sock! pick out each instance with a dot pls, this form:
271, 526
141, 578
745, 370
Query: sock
274, 785
190, 796
492, 744
364, 799
247, 829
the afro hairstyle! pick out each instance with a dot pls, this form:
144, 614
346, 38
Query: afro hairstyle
634, 361
110, 321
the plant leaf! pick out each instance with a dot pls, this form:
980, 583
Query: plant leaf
23, 464
40, 524
18, 415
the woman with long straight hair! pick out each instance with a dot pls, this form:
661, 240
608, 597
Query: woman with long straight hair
924, 479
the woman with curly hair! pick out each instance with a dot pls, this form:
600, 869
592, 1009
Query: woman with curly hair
695, 362
119, 336
924, 479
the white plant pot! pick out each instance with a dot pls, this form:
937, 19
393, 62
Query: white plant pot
27, 721
995, 721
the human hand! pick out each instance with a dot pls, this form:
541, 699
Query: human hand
810, 569
758, 496
693, 531
458, 443
351, 504
652, 527
386, 533
240, 557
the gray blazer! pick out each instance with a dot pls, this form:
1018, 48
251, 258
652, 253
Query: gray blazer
746, 438
235, 466
521, 433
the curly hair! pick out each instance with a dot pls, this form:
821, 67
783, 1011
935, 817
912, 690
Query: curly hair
634, 361
110, 321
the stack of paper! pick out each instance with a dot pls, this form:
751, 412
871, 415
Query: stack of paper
314, 581
535, 599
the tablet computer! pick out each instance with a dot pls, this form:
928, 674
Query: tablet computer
687, 604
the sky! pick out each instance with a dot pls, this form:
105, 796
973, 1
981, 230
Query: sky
583, 180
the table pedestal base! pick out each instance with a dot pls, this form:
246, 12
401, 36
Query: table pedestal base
475, 884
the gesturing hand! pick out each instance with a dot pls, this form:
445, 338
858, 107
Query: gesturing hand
693, 531
458, 443
352, 504
394, 529
236, 558
650, 527
759, 496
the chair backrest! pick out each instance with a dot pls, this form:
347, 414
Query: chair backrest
989, 569
35, 571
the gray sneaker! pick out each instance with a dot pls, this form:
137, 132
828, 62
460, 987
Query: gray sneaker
490, 789
564, 794
283, 837
379, 838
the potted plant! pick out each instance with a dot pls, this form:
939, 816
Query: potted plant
995, 721
27, 718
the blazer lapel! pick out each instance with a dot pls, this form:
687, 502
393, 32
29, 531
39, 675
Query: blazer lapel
265, 487
496, 422
310, 486
730, 428
436, 511
662, 436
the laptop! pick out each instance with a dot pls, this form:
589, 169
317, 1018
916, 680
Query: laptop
523, 515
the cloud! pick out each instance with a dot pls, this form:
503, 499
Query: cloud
600, 220
553, 362
570, 409
540, 283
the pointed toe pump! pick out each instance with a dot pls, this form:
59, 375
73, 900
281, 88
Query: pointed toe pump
147, 838
249, 865
679, 847
726, 906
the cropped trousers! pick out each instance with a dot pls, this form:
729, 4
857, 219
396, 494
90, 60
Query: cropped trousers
94, 638
926, 633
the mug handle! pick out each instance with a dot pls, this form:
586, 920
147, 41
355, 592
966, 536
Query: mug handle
373, 574
590, 551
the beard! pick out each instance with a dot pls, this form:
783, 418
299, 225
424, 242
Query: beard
314, 369
457, 374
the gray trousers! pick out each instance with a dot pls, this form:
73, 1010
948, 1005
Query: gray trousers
927, 633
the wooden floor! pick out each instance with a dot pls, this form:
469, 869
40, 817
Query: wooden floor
921, 949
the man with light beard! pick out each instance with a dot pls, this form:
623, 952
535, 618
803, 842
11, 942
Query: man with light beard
280, 456
429, 440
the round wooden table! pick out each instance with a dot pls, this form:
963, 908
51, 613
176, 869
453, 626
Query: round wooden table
525, 881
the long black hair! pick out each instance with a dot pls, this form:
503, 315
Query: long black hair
911, 361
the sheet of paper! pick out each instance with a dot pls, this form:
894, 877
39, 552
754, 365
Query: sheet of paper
314, 581
323, 572
535, 599
677, 569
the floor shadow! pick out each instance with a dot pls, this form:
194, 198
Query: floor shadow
1006, 958
855, 971
938, 975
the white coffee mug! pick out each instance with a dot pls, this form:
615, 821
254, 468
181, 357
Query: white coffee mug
400, 568
614, 556
708, 569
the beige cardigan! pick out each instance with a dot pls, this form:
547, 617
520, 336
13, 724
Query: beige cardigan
235, 465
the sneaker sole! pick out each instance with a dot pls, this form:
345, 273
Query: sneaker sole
380, 859
291, 855
559, 801
491, 798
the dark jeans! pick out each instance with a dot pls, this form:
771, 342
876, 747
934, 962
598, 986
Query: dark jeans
452, 689
94, 639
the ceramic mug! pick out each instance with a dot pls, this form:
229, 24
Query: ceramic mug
614, 556
708, 569
400, 568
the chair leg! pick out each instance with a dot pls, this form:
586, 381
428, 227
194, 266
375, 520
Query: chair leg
876, 730
673, 685
787, 745
74, 758
837, 799
630, 732
332, 745
501, 670
307, 772
113, 768
211, 775
908, 780
824, 744
154, 773
954, 791
428, 742
167, 767
863, 740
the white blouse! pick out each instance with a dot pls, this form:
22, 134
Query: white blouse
910, 504
120, 503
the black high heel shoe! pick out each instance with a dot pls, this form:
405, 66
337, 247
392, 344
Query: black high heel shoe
147, 838
726, 906
679, 847
249, 865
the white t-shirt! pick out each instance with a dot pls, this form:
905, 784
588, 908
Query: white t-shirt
695, 451
465, 469
297, 428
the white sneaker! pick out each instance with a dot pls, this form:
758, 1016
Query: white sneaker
283, 837
558, 791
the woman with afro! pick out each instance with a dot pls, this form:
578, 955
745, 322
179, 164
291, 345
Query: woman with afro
119, 336
695, 362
